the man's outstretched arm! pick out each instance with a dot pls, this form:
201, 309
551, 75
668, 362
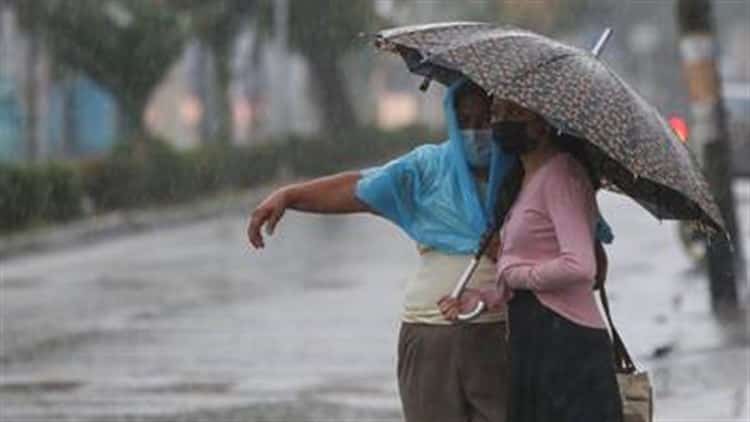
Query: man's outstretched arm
325, 195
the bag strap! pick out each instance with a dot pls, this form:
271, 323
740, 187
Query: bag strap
623, 361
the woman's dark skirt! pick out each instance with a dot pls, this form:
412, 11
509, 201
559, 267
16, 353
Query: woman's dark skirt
560, 371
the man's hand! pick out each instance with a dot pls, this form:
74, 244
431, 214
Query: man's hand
467, 302
268, 213
325, 195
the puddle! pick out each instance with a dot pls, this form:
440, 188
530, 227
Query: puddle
48, 386
190, 387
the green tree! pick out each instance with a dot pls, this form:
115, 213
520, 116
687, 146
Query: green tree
216, 24
324, 31
126, 46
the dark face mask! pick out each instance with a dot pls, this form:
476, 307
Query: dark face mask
513, 137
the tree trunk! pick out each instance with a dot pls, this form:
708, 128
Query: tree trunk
223, 128
196, 70
335, 106
68, 132
131, 126
31, 112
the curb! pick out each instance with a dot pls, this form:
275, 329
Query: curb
118, 223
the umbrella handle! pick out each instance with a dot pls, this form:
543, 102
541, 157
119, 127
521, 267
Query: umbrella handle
473, 314
461, 285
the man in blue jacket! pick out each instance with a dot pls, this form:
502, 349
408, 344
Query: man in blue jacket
443, 197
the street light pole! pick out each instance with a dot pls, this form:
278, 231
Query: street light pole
709, 139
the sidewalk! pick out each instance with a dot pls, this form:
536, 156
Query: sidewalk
116, 223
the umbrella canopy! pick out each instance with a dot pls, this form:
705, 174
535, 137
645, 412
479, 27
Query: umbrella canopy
631, 145
415, 44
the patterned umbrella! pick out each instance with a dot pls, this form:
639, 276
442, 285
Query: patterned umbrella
634, 149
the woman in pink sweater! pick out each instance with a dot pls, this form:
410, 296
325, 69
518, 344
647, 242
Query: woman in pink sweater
561, 355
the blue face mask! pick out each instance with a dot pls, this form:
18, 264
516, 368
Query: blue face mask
477, 146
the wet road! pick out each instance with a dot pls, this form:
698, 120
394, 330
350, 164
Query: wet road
189, 318
187, 324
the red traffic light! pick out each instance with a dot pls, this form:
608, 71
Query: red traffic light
680, 127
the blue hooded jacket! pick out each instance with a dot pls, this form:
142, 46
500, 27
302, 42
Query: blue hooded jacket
431, 194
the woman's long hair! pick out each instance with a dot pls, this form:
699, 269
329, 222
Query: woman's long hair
582, 152
508, 192
511, 186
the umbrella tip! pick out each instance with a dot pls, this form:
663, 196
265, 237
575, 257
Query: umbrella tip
369, 36
599, 46
425, 83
